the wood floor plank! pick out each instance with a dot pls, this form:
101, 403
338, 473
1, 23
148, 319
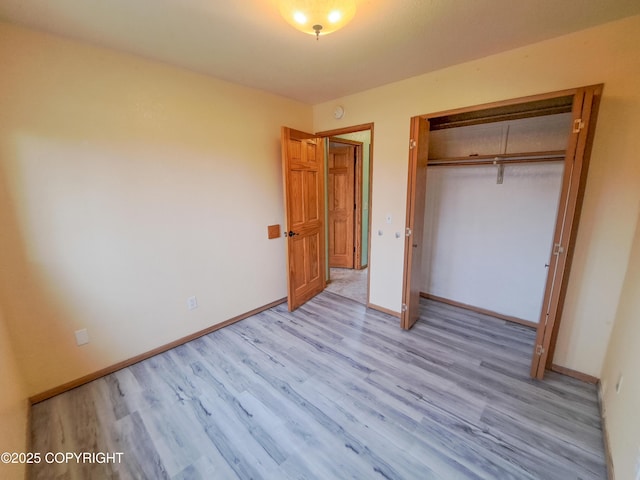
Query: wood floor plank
333, 390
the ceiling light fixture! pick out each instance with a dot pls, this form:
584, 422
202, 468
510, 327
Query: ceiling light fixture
318, 17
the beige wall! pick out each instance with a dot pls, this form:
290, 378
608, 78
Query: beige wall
623, 359
608, 54
13, 406
127, 186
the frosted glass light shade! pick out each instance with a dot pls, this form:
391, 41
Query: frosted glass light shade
307, 15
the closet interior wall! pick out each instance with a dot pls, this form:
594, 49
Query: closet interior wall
487, 239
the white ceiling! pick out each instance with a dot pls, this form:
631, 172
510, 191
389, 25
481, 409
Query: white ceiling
247, 42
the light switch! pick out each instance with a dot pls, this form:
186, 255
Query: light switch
82, 337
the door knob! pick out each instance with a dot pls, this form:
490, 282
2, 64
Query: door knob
291, 233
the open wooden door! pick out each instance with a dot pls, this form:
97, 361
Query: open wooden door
341, 192
303, 175
585, 104
416, 189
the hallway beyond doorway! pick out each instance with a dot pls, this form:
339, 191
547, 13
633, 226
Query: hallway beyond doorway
349, 283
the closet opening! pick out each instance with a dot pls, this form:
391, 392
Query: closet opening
494, 196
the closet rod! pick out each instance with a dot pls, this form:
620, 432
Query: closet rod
500, 159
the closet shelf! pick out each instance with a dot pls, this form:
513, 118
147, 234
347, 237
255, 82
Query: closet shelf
499, 159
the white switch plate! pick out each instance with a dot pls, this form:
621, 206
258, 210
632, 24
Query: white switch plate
192, 303
82, 337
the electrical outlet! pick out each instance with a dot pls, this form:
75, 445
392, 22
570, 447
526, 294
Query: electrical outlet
82, 337
192, 303
619, 383
388, 218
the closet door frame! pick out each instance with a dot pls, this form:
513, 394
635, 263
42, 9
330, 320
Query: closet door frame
584, 111
586, 101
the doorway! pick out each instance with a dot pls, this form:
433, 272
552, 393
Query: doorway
348, 188
581, 106
305, 172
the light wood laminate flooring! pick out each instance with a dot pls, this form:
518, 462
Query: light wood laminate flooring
332, 391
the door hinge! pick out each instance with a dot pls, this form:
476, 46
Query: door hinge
407, 232
578, 125
539, 350
412, 144
557, 249
404, 307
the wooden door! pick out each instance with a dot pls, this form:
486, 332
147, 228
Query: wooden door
416, 190
303, 176
585, 103
342, 203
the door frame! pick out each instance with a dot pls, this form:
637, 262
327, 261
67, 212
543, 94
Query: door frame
585, 112
357, 192
354, 129
586, 102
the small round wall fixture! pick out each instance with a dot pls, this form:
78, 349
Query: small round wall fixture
318, 17
338, 112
